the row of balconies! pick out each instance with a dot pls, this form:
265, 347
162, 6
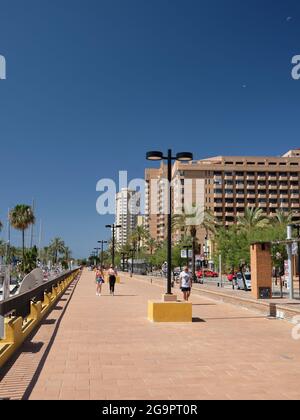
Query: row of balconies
232, 212
270, 177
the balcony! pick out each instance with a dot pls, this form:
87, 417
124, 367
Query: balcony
294, 177
229, 214
229, 205
273, 177
283, 187
250, 178
240, 213
229, 195
273, 205
262, 205
261, 177
218, 213
261, 187
295, 195
239, 178
283, 178
251, 195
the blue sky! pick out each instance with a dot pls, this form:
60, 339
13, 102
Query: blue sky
92, 85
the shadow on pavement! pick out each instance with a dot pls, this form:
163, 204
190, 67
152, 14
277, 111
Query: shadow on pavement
198, 320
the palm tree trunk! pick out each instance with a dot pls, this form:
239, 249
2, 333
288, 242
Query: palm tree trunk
23, 245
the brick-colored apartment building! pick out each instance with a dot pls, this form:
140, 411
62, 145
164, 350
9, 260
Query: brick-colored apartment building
227, 185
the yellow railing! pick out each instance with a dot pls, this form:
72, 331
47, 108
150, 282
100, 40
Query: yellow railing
18, 329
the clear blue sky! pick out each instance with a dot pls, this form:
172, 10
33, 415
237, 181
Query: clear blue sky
92, 85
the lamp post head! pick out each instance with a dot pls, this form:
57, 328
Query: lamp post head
184, 157
154, 156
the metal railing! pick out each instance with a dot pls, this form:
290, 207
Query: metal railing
19, 305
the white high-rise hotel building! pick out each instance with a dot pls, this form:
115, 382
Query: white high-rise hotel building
125, 215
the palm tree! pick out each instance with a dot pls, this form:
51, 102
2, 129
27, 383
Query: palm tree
67, 253
57, 246
21, 217
253, 218
151, 245
139, 234
283, 218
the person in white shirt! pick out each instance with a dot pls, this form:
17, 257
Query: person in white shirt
186, 283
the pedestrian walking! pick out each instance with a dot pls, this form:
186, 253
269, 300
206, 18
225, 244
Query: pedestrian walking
112, 277
99, 280
186, 283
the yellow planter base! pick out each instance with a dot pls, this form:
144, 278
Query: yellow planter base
170, 311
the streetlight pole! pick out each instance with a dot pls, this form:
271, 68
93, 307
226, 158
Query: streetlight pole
102, 250
158, 156
113, 227
132, 261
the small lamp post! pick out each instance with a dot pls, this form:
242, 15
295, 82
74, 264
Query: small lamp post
102, 250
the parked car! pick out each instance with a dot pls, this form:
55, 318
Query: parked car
243, 284
207, 274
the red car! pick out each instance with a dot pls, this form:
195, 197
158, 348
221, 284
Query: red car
207, 273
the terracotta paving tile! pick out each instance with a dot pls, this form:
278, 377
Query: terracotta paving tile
105, 348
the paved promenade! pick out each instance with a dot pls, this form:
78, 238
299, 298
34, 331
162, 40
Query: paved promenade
93, 347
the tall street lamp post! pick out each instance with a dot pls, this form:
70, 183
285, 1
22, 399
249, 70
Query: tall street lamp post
102, 250
182, 157
113, 228
96, 251
132, 251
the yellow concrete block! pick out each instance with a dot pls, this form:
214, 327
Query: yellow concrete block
35, 310
170, 311
13, 331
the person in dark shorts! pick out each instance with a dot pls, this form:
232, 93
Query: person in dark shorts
112, 277
186, 283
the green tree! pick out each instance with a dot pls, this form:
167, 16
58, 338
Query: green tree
252, 219
21, 217
138, 235
56, 247
30, 260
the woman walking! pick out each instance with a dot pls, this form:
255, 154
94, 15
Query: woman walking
112, 276
99, 280
186, 283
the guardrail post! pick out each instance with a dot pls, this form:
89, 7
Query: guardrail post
2, 328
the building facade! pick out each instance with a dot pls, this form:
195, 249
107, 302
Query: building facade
126, 216
226, 186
